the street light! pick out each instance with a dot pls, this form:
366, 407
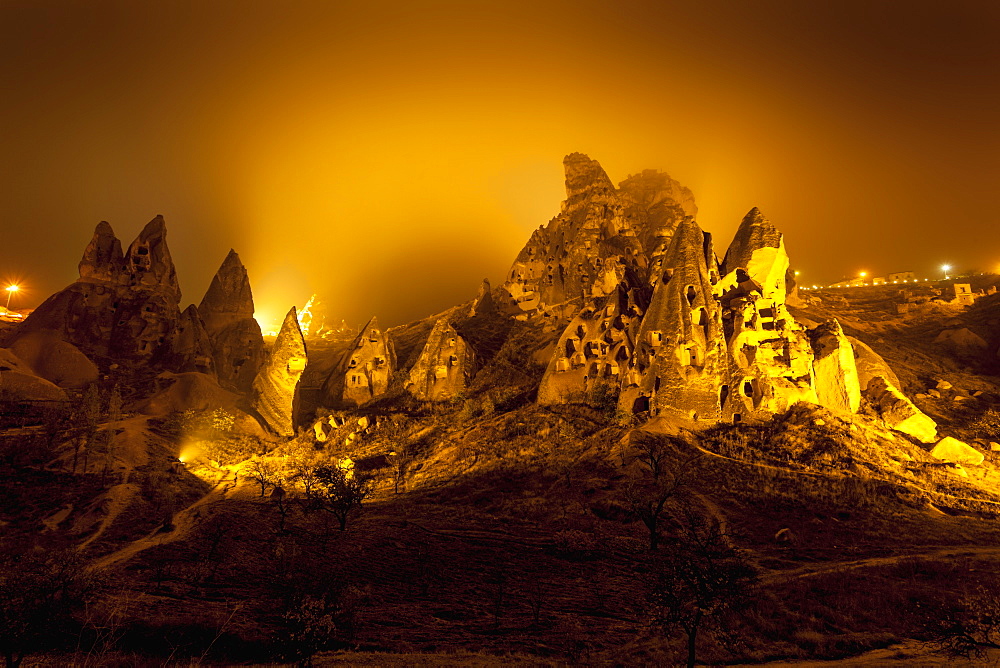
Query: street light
11, 289
946, 268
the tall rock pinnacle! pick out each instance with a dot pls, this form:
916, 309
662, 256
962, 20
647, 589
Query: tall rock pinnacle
148, 262
227, 311
276, 387
102, 259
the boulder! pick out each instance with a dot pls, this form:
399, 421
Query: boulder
871, 365
897, 411
963, 339
275, 390
834, 370
954, 451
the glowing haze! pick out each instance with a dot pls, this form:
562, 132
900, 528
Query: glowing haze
388, 156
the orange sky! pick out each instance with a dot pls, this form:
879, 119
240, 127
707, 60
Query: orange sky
389, 155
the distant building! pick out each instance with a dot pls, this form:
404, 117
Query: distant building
900, 277
964, 294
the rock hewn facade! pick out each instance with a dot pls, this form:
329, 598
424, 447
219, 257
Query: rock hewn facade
365, 370
124, 306
444, 367
275, 390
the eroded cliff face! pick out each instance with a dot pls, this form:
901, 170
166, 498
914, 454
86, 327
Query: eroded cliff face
275, 389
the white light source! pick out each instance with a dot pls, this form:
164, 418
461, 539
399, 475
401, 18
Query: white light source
11, 289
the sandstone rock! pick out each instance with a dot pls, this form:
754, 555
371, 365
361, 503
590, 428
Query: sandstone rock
943, 386
55, 360
444, 366
994, 447
227, 310
836, 376
771, 356
127, 311
591, 356
275, 389
952, 450
102, 259
899, 412
192, 345
870, 365
934, 394
24, 386
680, 364
484, 304
365, 370
962, 339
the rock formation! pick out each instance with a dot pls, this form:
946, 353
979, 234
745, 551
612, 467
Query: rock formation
55, 360
594, 350
771, 354
899, 412
444, 367
192, 345
19, 383
834, 369
364, 371
227, 310
483, 304
954, 451
870, 365
275, 388
598, 240
680, 366
122, 307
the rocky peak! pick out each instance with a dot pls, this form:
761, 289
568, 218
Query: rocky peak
148, 262
758, 249
229, 298
583, 176
102, 258
655, 204
275, 389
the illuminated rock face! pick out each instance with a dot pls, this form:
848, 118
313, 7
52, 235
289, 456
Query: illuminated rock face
592, 355
598, 240
275, 388
899, 412
444, 366
680, 367
484, 304
770, 352
834, 368
227, 310
364, 371
123, 307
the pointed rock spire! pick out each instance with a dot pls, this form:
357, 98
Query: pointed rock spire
484, 304
192, 345
836, 373
227, 311
680, 363
148, 262
275, 389
229, 298
102, 259
758, 249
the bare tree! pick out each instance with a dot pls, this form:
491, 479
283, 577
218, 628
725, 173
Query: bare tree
969, 629
340, 491
698, 578
264, 472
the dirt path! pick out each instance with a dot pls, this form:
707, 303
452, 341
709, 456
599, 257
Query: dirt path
184, 521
